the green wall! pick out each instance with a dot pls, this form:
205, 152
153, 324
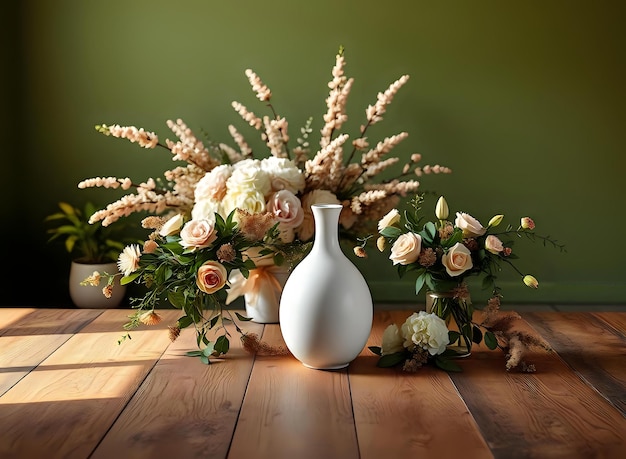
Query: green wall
523, 100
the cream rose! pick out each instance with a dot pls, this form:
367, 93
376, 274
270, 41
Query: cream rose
213, 184
172, 226
198, 234
283, 174
211, 277
205, 209
247, 176
457, 260
392, 340
470, 226
306, 230
428, 331
406, 249
388, 220
251, 200
493, 244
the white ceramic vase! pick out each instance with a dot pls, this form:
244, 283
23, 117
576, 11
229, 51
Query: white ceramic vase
263, 305
90, 297
326, 306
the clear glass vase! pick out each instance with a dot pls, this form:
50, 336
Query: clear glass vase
454, 309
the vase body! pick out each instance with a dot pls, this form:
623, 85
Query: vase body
452, 308
326, 307
88, 296
262, 306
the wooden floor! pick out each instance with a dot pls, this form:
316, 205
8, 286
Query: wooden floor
68, 390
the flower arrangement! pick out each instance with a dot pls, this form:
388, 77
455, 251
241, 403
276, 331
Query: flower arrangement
442, 254
220, 189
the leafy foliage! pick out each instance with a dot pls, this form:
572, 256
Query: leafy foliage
86, 242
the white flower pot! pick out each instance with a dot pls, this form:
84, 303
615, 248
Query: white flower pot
326, 307
90, 297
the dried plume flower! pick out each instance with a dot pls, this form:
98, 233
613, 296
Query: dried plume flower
254, 226
150, 318
253, 344
173, 332
226, 253
514, 342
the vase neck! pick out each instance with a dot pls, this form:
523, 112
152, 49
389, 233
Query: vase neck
326, 218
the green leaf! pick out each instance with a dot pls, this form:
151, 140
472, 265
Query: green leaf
490, 340
209, 349
222, 345
375, 349
411, 219
193, 353
242, 318
279, 259
184, 321
419, 282
204, 359
447, 365
478, 335
176, 298
128, 279
453, 336
391, 232
391, 360
431, 230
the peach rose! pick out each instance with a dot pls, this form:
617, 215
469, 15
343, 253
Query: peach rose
406, 249
286, 208
211, 277
457, 260
493, 244
213, 184
198, 234
470, 226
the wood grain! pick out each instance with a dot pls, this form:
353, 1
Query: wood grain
11, 315
593, 346
548, 414
27, 337
395, 411
80, 395
291, 411
64, 406
193, 406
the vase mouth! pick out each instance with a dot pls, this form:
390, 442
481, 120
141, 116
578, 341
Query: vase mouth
327, 206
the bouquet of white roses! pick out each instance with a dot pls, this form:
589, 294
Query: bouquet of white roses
217, 182
421, 339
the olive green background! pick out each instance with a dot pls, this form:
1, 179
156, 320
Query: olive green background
523, 100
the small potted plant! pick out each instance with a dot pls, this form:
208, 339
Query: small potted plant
93, 248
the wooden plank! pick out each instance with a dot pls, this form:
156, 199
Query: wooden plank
31, 335
10, 315
617, 320
291, 411
64, 407
400, 414
185, 408
549, 414
591, 344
